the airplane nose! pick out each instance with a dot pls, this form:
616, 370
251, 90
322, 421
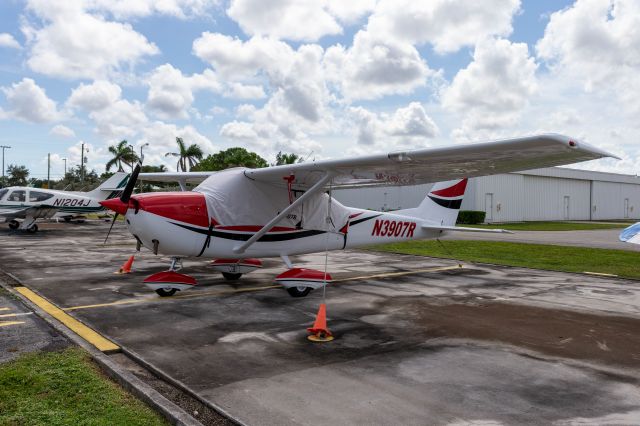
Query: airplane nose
116, 205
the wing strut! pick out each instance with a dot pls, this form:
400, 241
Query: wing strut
311, 191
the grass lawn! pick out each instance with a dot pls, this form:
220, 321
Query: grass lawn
556, 258
55, 388
553, 226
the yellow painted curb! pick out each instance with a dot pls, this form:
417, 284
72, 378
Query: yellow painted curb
103, 344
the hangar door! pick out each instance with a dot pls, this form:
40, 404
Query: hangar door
552, 198
488, 207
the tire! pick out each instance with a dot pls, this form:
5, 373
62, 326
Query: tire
231, 277
298, 291
32, 229
67, 219
166, 292
14, 224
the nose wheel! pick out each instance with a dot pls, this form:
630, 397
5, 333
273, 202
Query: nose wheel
166, 291
167, 283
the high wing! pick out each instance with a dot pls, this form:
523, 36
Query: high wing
436, 164
182, 177
418, 166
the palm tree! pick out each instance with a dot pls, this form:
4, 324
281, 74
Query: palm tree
122, 153
186, 156
284, 158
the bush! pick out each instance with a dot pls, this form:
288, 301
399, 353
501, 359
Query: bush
471, 217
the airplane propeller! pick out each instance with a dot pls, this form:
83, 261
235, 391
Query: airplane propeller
124, 200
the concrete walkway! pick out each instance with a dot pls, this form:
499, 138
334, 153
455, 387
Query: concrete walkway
598, 238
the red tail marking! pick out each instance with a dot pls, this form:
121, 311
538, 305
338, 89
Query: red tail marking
456, 190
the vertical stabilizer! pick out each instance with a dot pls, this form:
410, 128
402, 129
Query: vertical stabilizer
442, 203
110, 188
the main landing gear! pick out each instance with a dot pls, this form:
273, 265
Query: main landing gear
300, 281
297, 281
14, 224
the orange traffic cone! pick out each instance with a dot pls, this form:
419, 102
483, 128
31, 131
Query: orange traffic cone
319, 332
126, 267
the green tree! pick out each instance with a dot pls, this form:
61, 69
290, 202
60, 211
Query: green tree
284, 158
186, 155
232, 157
122, 153
17, 175
148, 186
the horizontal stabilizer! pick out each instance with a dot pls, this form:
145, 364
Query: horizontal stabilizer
464, 229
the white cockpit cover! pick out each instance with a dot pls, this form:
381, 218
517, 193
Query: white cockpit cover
235, 200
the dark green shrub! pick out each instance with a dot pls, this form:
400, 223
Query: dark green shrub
471, 217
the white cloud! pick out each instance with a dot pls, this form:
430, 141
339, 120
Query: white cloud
122, 119
28, 102
141, 8
447, 24
7, 40
95, 96
235, 59
171, 93
410, 125
245, 91
71, 43
597, 45
493, 89
284, 19
245, 110
350, 11
162, 139
62, 131
372, 68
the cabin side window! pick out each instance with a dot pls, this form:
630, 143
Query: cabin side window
18, 196
35, 196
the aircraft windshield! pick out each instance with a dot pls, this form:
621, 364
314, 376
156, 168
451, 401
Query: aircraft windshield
35, 196
19, 196
3, 192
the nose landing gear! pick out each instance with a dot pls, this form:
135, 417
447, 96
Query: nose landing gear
166, 283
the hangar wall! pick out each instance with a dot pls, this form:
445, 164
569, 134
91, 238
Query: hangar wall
555, 193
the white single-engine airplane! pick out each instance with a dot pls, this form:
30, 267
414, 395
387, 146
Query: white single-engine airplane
237, 215
29, 204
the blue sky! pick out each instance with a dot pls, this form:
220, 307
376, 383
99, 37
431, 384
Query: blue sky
319, 78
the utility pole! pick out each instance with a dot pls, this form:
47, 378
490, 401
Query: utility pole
133, 154
49, 171
65, 167
82, 164
3, 148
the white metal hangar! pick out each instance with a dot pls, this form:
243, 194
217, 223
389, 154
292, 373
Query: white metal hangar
554, 193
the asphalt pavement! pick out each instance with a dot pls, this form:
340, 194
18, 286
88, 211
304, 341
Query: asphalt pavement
418, 340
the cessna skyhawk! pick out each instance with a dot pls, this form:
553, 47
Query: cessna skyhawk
238, 215
29, 204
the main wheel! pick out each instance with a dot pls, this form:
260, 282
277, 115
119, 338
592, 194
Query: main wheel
166, 292
14, 224
231, 277
33, 228
298, 291
67, 219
